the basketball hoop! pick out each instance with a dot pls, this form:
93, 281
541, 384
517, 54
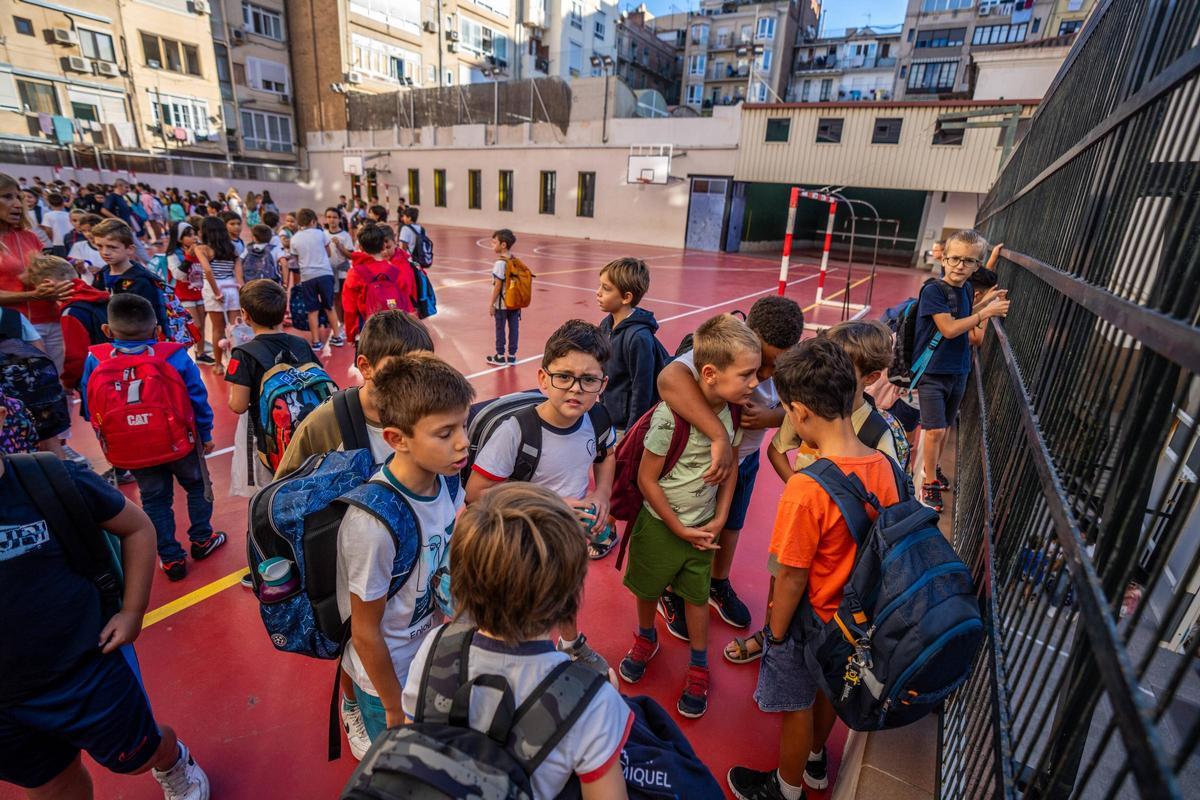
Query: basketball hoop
643, 180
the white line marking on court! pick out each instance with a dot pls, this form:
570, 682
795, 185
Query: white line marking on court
541, 282
220, 452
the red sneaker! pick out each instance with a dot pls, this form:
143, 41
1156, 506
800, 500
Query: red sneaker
694, 700
633, 665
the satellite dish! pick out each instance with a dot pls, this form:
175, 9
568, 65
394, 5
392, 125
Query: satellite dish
650, 103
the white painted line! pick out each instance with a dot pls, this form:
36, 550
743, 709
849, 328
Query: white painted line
220, 452
541, 282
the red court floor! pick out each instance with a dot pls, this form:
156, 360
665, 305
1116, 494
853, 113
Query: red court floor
256, 718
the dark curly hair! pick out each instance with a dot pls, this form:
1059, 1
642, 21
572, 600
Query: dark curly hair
818, 374
778, 321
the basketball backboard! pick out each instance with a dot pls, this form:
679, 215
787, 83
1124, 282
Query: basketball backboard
650, 163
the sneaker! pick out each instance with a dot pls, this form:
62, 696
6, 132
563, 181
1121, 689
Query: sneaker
816, 771
185, 780
511, 360
496, 360
753, 784
205, 358
582, 652
202, 550
248, 581
728, 605
694, 700
125, 477
337, 341
356, 730
670, 608
633, 665
931, 496
176, 570
942, 481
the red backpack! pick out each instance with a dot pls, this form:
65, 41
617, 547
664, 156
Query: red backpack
382, 290
627, 498
140, 407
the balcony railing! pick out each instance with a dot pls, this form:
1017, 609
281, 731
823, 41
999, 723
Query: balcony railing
827, 63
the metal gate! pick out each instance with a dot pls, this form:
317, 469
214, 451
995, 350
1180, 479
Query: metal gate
1077, 485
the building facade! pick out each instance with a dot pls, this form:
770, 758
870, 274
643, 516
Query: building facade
859, 65
645, 61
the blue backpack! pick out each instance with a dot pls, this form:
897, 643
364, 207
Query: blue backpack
425, 300
287, 393
658, 761
908, 628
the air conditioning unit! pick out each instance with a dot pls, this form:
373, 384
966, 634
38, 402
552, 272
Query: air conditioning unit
354, 77
237, 36
429, 26
542, 65
452, 35
452, 48
64, 36
106, 68
199, 6
76, 64
985, 11
286, 99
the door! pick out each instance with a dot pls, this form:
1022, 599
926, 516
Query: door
737, 216
706, 213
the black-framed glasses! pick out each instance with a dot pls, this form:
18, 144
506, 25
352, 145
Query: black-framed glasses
954, 261
566, 381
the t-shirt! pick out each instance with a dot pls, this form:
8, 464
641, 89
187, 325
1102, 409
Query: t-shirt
17, 248
810, 532
366, 551
118, 205
764, 395
35, 225
590, 746
311, 248
952, 356
409, 236
340, 262
51, 610
83, 252
786, 439
59, 222
28, 332
500, 272
565, 462
284, 348
693, 501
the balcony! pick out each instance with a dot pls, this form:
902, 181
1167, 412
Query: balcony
818, 64
862, 62
996, 9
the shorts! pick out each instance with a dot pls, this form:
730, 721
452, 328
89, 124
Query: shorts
906, 415
229, 296
100, 706
940, 397
784, 682
740, 504
317, 293
659, 558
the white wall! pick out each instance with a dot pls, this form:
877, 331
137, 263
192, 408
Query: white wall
1017, 74
955, 212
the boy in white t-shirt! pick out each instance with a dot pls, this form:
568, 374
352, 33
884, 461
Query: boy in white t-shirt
503, 241
311, 247
339, 253
423, 404
572, 450
517, 563
58, 220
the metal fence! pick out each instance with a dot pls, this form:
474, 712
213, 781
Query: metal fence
1077, 489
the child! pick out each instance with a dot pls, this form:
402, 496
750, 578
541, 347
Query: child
377, 214
503, 241
131, 328
264, 303
637, 357
233, 226
58, 221
83, 314
259, 260
311, 248
187, 278
74, 682
375, 280
411, 230
75, 234
778, 323
423, 404
218, 258
573, 452
115, 243
83, 253
942, 385
815, 552
517, 564
343, 245
674, 536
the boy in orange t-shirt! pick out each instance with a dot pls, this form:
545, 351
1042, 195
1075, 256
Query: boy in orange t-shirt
815, 550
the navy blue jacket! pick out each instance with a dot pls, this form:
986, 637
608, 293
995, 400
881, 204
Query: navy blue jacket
632, 369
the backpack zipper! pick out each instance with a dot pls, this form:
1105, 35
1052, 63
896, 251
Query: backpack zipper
936, 572
926, 654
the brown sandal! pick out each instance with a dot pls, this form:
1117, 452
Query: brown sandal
742, 654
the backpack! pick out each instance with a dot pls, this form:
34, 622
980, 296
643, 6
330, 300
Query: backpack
29, 375
907, 630
425, 300
352, 424
658, 761
139, 406
439, 755
259, 264
518, 284
626, 501
91, 314
877, 425
381, 292
908, 367
138, 210
180, 327
18, 434
422, 248
298, 311
287, 393
485, 418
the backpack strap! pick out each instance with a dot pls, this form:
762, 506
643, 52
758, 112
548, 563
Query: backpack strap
10, 323
847, 493
392, 509
601, 423
351, 422
548, 714
444, 672
529, 448
873, 429
679, 440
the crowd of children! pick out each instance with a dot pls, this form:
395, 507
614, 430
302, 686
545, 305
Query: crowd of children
502, 527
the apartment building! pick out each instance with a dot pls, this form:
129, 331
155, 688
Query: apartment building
645, 61
858, 65
940, 36
560, 38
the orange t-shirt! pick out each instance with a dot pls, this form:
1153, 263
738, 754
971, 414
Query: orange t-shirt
811, 534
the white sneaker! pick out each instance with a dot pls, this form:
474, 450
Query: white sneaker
185, 780
356, 731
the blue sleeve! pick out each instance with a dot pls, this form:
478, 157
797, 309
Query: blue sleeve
103, 501
932, 301
643, 378
197, 393
89, 364
28, 332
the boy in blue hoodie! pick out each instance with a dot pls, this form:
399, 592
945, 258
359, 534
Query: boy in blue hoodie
637, 356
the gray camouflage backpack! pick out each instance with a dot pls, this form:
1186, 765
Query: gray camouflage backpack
440, 756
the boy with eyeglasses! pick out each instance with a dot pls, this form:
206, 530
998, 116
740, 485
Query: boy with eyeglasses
573, 452
945, 321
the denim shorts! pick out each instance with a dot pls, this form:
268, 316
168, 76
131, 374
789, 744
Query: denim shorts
318, 293
940, 397
784, 682
740, 504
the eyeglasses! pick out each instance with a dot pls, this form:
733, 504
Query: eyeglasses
566, 381
954, 261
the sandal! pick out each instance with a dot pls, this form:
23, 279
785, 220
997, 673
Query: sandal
742, 654
602, 545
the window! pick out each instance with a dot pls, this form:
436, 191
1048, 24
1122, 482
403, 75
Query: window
932, 76
576, 14
766, 28
262, 131
699, 34
826, 89
778, 129
945, 5
600, 25
574, 57
482, 40
586, 205
952, 137
96, 45
404, 14
414, 187
262, 21
697, 64
24, 26
805, 87
829, 130
168, 54
911, 33
764, 61
759, 92
386, 61
1070, 26
506, 190
439, 188
887, 130
191, 114
547, 189
474, 188
38, 97
695, 94
744, 34
942, 37
267, 76
1037, 24
999, 34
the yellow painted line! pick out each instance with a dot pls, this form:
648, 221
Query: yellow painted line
854, 285
192, 598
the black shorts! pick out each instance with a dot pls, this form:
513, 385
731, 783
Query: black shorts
318, 293
940, 396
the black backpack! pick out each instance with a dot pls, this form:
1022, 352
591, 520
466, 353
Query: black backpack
29, 375
908, 367
439, 755
422, 248
91, 314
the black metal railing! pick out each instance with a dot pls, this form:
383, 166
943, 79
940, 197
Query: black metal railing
1078, 467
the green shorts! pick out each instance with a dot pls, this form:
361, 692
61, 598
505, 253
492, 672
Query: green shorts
659, 558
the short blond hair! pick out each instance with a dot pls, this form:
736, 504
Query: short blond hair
628, 275
721, 339
867, 342
517, 562
48, 268
970, 237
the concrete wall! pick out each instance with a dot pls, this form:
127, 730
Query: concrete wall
1023, 72
946, 212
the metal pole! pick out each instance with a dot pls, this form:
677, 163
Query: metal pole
825, 251
604, 124
787, 240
